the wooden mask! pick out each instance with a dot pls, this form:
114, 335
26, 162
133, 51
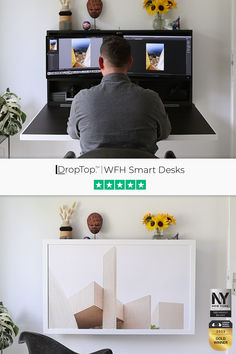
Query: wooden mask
94, 222
94, 8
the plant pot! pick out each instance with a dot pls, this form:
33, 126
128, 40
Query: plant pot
65, 232
65, 20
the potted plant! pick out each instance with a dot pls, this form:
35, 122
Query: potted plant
8, 330
11, 115
65, 16
159, 223
159, 8
66, 214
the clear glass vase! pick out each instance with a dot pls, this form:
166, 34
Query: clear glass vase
158, 22
160, 235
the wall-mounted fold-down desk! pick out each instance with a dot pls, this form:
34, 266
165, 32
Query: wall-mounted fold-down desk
51, 124
169, 74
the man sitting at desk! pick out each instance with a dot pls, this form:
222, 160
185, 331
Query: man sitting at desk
117, 113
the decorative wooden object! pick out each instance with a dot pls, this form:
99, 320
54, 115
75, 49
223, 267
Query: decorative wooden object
94, 222
94, 8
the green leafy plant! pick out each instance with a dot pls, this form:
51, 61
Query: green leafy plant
8, 330
154, 327
11, 116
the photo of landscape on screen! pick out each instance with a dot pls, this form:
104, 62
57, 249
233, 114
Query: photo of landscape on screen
81, 53
53, 44
155, 59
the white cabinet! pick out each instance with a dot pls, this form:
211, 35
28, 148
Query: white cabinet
119, 286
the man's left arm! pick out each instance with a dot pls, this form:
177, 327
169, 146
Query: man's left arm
72, 124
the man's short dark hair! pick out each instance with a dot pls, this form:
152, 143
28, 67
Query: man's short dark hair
116, 50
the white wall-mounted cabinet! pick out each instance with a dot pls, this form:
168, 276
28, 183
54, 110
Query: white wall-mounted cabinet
119, 286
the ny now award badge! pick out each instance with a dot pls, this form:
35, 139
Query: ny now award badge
220, 300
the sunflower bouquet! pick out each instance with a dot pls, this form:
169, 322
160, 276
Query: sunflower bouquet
159, 223
159, 6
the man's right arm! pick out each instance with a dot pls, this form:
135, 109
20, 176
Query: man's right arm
163, 122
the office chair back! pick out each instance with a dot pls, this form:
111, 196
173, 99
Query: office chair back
116, 153
41, 344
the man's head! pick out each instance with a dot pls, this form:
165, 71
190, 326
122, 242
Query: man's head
115, 55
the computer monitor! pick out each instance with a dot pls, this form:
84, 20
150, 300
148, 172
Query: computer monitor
163, 53
68, 56
162, 61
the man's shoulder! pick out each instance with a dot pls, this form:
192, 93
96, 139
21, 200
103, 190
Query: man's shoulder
137, 91
145, 92
87, 92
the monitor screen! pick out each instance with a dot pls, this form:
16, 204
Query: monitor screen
161, 55
73, 55
153, 55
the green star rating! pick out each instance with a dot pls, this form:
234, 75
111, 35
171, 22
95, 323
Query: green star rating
109, 184
98, 184
130, 184
120, 184
141, 184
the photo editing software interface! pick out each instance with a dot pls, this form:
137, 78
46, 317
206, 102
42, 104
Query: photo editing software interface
160, 55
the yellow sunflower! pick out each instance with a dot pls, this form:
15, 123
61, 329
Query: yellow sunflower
172, 3
171, 219
152, 8
162, 6
161, 222
147, 3
147, 218
151, 225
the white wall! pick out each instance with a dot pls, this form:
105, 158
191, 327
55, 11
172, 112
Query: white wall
26, 221
233, 82
232, 261
23, 26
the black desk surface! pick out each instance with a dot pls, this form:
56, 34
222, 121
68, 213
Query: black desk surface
185, 120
